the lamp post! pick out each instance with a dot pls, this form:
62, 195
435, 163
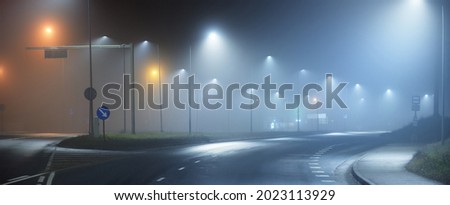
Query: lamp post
91, 99
160, 96
443, 74
190, 88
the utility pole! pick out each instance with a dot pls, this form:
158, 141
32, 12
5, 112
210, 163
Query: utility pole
91, 98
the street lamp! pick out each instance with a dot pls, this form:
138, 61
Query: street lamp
315, 100
155, 72
301, 72
48, 30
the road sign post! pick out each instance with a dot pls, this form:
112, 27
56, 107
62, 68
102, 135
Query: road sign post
2, 109
415, 106
103, 113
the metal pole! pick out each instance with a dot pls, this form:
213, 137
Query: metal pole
251, 113
104, 136
1, 115
317, 113
298, 118
298, 108
160, 98
190, 71
133, 105
91, 103
443, 77
124, 110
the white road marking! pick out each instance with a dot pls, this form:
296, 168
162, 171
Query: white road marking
317, 155
313, 164
196, 162
317, 171
323, 175
160, 179
181, 168
328, 181
314, 158
18, 178
25, 178
50, 160
41, 179
50, 178
315, 167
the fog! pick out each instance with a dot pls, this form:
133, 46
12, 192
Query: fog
386, 51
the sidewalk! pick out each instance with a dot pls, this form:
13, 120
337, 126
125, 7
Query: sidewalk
386, 166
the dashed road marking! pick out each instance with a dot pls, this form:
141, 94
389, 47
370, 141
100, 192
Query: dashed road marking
313, 164
328, 181
18, 178
196, 162
160, 179
317, 171
315, 167
323, 175
41, 179
50, 178
314, 158
181, 168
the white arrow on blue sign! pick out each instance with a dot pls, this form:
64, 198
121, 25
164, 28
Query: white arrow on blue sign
103, 113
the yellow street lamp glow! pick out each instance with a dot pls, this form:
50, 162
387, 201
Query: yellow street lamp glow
48, 30
152, 73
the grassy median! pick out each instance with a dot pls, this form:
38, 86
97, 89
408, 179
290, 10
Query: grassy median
156, 139
132, 142
433, 162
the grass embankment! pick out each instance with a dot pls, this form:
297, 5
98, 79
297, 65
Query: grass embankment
152, 140
432, 162
132, 142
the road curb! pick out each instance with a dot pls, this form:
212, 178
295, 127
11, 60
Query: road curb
356, 173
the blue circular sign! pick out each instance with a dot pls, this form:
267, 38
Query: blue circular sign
103, 113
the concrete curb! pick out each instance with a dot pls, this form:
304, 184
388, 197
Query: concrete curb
357, 174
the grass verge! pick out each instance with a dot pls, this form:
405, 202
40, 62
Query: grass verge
148, 140
432, 162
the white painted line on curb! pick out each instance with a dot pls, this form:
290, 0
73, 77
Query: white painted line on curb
18, 178
50, 178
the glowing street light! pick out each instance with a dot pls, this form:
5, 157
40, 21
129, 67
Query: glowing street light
154, 72
48, 30
212, 36
388, 92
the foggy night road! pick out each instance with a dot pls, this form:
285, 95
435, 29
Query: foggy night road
288, 159
26, 153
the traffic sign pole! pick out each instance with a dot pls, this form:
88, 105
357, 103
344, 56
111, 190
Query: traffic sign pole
103, 113
104, 136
